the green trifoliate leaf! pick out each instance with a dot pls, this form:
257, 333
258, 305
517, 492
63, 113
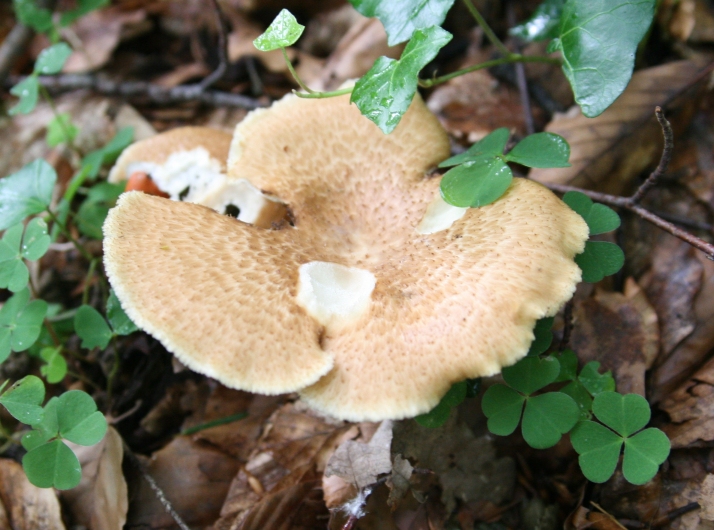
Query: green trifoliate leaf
23, 400
94, 210
284, 31
61, 130
402, 19
541, 150
52, 59
56, 367
543, 336
34, 438
644, 452
52, 464
384, 93
36, 240
20, 323
599, 259
29, 14
531, 374
568, 366
83, 7
26, 192
13, 271
623, 414
91, 328
502, 406
543, 24
78, 419
547, 417
595, 382
437, 416
477, 183
45, 430
582, 398
490, 145
599, 39
28, 91
120, 322
599, 450
600, 218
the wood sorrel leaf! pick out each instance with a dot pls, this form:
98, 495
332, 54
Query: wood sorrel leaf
624, 414
284, 31
644, 452
402, 19
477, 183
595, 382
599, 259
531, 373
600, 218
91, 328
489, 146
52, 59
23, 400
502, 406
52, 464
547, 417
599, 450
437, 416
78, 419
541, 150
28, 91
384, 93
26, 192
598, 39
542, 336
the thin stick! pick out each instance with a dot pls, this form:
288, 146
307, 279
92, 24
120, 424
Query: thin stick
567, 325
217, 74
663, 161
521, 80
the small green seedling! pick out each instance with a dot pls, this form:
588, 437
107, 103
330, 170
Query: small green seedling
27, 192
599, 446
20, 323
55, 367
284, 31
50, 61
14, 249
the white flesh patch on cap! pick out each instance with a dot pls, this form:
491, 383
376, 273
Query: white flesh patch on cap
439, 216
241, 194
333, 294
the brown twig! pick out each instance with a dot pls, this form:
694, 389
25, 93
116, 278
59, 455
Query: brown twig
521, 80
12, 47
663, 161
567, 325
142, 90
217, 74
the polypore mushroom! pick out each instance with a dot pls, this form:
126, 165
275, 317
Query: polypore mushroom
373, 304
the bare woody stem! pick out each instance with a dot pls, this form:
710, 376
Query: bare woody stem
663, 161
220, 70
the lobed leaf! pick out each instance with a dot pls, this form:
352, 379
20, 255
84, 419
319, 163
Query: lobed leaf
91, 328
26, 192
56, 366
13, 271
33, 16
543, 336
23, 400
624, 414
284, 31
581, 396
502, 406
437, 416
490, 145
95, 208
20, 323
476, 183
28, 90
36, 240
530, 374
118, 319
600, 218
541, 150
599, 259
568, 366
52, 464
52, 59
547, 417
599, 450
644, 453
78, 419
595, 382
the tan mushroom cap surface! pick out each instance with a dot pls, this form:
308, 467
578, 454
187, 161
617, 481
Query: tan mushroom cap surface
462, 302
157, 149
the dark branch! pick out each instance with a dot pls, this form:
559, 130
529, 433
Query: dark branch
12, 47
663, 161
222, 48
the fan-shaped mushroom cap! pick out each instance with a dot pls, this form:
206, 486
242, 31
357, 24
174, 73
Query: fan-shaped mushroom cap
234, 301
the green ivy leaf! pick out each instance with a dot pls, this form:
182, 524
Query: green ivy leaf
23, 400
543, 24
56, 367
52, 59
118, 319
384, 93
52, 464
595, 382
28, 91
83, 7
599, 40
26, 192
402, 19
543, 336
490, 145
29, 14
568, 366
502, 406
91, 328
284, 31
13, 271
541, 150
581, 396
644, 453
600, 218
600, 259
20, 323
623, 414
437, 416
95, 208
547, 417
61, 130
599, 450
477, 183
78, 419
530, 374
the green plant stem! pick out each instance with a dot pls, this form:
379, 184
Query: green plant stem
115, 370
214, 423
321, 95
86, 380
83, 251
512, 58
490, 35
67, 136
88, 280
294, 73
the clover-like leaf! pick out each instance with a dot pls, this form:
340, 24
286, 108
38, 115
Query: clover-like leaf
94, 160
437, 416
476, 183
644, 453
26, 192
20, 323
543, 336
83, 7
33, 16
502, 406
568, 366
600, 218
384, 93
13, 271
28, 91
581, 396
547, 417
544, 23
78, 419
23, 400
599, 450
118, 319
531, 374
52, 464
599, 39
541, 150
36, 240
46, 429
402, 19
599, 259
490, 145
61, 130
56, 366
284, 31
93, 211
595, 382
92, 328
623, 414
52, 59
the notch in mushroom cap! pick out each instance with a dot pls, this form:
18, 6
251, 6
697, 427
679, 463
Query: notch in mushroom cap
362, 312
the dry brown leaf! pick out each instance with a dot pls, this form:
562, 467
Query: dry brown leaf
620, 331
706, 498
100, 500
398, 481
688, 20
361, 463
27, 507
607, 152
